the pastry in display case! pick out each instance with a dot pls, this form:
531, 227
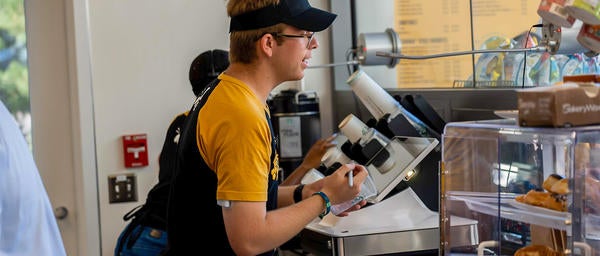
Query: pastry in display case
531, 190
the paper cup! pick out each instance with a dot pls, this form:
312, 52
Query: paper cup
353, 128
311, 176
334, 155
554, 12
372, 95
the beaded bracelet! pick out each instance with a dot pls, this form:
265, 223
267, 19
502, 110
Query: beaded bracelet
327, 203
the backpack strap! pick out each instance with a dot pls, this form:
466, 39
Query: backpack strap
135, 212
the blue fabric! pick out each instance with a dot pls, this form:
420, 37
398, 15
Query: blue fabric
27, 223
144, 244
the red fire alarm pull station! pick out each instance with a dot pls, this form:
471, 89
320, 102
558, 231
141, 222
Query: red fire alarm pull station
135, 149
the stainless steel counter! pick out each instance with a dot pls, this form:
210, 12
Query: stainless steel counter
399, 224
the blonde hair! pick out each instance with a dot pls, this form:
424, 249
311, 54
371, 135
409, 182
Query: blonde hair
242, 47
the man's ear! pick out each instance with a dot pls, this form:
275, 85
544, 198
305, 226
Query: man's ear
267, 42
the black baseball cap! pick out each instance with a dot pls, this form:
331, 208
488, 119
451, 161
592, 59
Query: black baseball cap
297, 13
206, 67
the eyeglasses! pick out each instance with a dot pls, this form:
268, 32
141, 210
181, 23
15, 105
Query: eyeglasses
309, 36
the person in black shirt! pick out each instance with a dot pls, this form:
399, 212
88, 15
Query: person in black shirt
146, 233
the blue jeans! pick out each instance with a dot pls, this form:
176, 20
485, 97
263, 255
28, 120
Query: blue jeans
148, 242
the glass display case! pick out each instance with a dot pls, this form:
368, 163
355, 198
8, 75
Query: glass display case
530, 189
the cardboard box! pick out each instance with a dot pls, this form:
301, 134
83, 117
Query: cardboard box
565, 105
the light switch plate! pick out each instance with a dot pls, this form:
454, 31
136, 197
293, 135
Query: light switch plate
122, 188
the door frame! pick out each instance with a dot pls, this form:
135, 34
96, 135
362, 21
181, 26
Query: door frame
58, 45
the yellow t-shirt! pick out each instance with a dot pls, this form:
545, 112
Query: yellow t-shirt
237, 143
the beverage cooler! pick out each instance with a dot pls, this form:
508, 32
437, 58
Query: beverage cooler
529, 189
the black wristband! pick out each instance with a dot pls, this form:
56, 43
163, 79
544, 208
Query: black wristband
298, 193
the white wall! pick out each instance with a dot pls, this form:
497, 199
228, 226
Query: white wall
141, 51
140, 56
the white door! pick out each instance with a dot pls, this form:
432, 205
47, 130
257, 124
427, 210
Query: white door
62, 125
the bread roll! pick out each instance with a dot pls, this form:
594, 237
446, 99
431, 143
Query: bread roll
555, 202
549, 182
536, 250
560, 187
543, 199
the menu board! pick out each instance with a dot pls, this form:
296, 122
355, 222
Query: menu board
445, 26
